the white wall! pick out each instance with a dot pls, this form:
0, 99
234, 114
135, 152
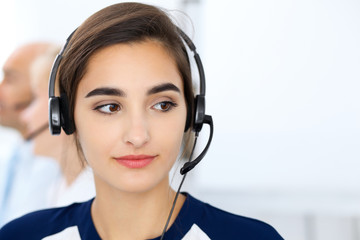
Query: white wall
282, 87
283, 83
22, 21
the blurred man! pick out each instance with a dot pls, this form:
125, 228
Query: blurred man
76, 183
15, 92
22, 175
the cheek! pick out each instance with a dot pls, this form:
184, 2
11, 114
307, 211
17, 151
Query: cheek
97, 139
169, 134
21, 92
171, 148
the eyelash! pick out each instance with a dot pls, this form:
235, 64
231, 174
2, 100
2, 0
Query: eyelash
170, 105
99, 108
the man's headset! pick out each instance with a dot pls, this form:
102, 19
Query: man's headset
59, 116
21, 106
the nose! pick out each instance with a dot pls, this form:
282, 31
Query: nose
136, 131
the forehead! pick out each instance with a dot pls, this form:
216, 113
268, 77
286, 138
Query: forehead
18, 64
132, 65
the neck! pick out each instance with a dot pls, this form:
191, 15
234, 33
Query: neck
134, 215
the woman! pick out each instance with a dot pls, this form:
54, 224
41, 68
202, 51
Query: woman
126, 79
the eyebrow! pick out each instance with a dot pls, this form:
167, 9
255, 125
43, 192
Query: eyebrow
120, 93
106, 91
162, 88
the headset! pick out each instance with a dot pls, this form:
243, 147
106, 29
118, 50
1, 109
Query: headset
59, 115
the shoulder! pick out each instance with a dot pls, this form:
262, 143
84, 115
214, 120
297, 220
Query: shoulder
43, 223
219, 224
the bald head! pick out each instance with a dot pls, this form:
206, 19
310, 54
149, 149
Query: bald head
15, 90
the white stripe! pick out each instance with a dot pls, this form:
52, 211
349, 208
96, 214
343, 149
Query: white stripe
70, 233
195, 233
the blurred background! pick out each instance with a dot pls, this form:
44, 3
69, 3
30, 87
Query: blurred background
283, 81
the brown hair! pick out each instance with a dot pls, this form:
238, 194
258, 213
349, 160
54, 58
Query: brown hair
122, 23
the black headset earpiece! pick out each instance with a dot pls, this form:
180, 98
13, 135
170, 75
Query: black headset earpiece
54, 116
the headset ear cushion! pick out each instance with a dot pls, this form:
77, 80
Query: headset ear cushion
67, 122
54, 116
199, 113
189, 117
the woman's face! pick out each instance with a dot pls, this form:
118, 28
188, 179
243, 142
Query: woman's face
130, 114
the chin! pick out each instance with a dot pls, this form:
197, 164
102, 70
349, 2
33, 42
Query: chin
140, 184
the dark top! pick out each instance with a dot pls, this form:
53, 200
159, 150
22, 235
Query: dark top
196, 220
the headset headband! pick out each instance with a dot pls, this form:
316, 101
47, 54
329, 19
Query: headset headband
55, 67
199, 65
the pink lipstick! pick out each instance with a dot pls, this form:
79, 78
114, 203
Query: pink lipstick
135, 161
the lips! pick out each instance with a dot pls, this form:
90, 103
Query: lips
135, 161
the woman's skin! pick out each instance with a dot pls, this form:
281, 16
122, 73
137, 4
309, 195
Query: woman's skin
129, 103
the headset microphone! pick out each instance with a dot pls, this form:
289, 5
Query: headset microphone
190, 165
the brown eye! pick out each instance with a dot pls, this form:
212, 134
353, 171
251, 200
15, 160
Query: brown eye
114, 108
108, 108
165, 106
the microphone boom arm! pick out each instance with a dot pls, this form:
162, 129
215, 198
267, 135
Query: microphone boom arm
190, 165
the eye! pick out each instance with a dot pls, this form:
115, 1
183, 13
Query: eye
108, 108
164, 106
